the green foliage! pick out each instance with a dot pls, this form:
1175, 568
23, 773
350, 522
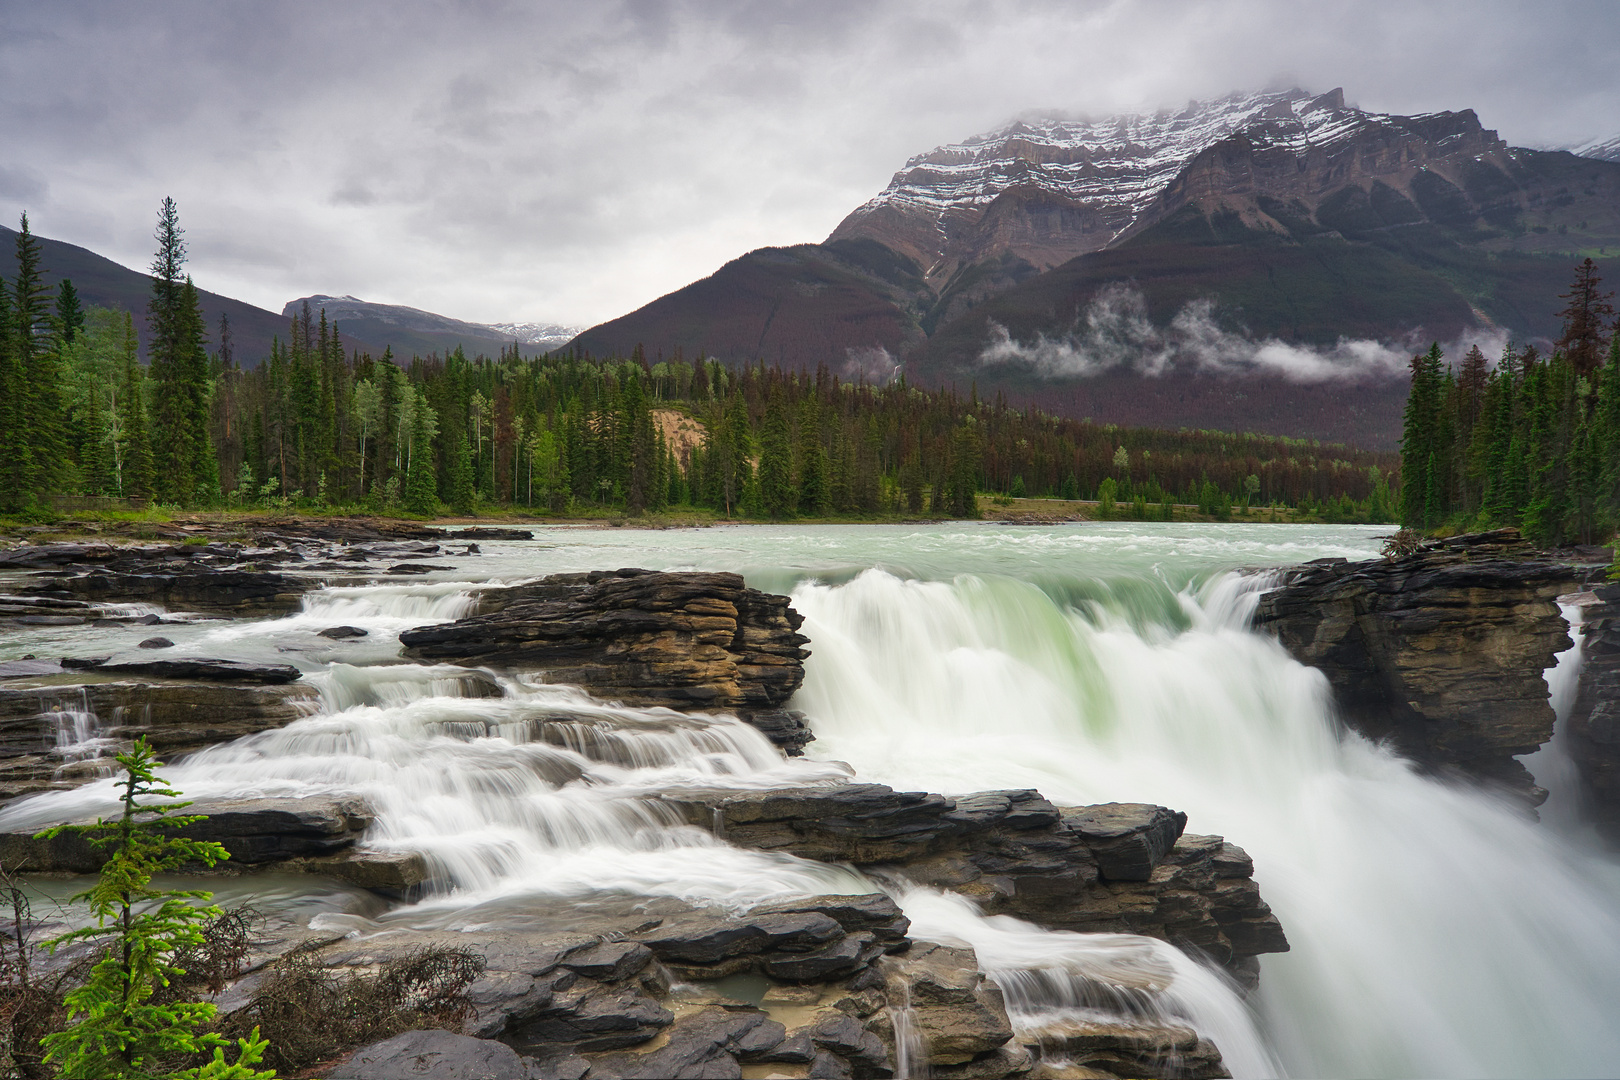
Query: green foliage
117, 1028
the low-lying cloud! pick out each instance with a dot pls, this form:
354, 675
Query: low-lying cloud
1115, 332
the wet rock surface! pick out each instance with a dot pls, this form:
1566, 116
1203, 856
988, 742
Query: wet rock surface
1441, 651
59, 733
1124, 867
687, 641
1592, 733
254, 831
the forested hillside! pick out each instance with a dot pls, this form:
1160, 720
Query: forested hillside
1534, 442
321, 426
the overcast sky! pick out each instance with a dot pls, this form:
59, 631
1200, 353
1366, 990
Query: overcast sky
570, 162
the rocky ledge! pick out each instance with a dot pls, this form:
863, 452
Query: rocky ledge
1441, 651
56, 733
1118, 867
1592, 730
618, 988
687, 641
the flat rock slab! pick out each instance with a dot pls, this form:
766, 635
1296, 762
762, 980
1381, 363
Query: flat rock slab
687, 641
254, 831
196, 667
22, 669
435, 1055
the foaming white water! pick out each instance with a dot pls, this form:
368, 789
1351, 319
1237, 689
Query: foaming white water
1052, 976
1552, 765
1435, 930
540, 792
377, 609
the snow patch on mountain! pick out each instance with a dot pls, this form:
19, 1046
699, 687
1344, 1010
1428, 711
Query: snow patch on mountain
1118, 162
353, 309
1604, 149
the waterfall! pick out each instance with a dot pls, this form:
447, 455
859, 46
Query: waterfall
1436, 931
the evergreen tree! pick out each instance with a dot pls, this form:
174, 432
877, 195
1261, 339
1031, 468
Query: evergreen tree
422, 478
175, 448
137, 460
1419, 436
965, 453
461, 474
776, 460
69, 312
1583, 339
814, 488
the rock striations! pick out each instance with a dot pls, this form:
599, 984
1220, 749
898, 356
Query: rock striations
1592, 731
1441, 652
687, 641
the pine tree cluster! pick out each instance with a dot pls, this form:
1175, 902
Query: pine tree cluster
1532, 442
318, 425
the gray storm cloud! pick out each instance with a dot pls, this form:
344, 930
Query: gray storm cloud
1115, 332
571, 162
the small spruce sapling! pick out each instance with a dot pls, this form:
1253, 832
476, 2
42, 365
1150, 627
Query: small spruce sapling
117, 1030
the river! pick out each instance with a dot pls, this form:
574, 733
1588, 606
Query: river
1436, 930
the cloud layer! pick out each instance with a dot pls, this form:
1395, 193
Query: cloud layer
570, 162
1116, 333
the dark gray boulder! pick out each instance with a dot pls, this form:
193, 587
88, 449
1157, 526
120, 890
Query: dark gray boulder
434, 1055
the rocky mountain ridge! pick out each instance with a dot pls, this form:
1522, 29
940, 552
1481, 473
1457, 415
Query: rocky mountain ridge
408, 328
1281, 218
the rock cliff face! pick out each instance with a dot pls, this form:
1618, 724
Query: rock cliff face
1442, 651
688, 641
1592, 731
55, 735
1120, 867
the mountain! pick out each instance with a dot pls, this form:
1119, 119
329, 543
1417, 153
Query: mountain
1601, 149
1191, 256
104, 283
409, 330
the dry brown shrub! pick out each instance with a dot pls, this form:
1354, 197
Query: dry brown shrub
311, 1013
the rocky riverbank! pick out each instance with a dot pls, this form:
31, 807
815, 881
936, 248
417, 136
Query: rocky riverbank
1441, 651
685, 641
605, 987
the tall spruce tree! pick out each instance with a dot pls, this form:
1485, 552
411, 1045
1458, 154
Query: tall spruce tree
175, 435
40, 449
136, 479
776, 460
1584, 333
1418, 437
69, 312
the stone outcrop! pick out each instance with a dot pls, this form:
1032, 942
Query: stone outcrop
687, 641
1441, 651
254, 831
1591, 734
58, 735
228, 592
1117, 867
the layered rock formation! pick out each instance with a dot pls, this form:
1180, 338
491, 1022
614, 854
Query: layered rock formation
1116, 867
57, 735
688, 641
1441, 652
1592, 731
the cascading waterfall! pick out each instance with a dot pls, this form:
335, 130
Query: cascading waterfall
1436, 930
1054, 978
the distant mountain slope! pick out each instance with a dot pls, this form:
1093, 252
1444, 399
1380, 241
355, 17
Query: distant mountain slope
411, 330
1279, 217
1602, 149
105, 283
797, 306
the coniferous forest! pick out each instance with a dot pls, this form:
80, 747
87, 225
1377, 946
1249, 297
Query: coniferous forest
318, 426
1533, 441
